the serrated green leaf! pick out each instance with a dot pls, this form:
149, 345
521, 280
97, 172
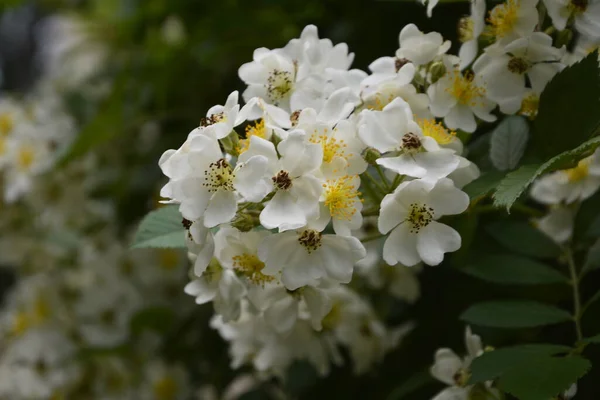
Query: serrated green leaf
541, 378
161, 228
516, 182
523, 238
514, 314
483, 185
512, 269
492, 364
158, 319
568, 112
508, 142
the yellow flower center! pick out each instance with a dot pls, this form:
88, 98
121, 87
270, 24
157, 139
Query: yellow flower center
332, 147
436, 130
6, 124
169, 259
578, 7
219, 176
165, 389
463, 89
420, 216
465, 29
310, 240
378, 101
580, 172
279, 85
503, 18
25, 158
256, 129
529, 106
333, 317
251, 267
21, 323
340, 196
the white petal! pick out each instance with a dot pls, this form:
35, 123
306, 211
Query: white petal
447, 364
446, 199
401, 247
318, 304
282, 315
436, 239
251, 179
221, 208
283, 212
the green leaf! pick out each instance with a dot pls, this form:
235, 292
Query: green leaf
541, 378
161, 228
592, 339
516, 182
514, 314
523, 238
594, 229
568, 113
508, 142
159, 319
492, 364
483, 185
512, 269
592, 260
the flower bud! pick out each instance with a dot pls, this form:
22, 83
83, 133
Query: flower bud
436, 71
231, 143
245, 222
371, 155
564, 37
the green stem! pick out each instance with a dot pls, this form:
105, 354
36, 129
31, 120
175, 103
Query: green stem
576, 297
528, 210
375, 182
372, 237
384, 180
397, 181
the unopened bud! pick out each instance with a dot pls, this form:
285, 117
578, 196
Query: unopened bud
436, 71
245, 222
231, 143
564, 37
371, 155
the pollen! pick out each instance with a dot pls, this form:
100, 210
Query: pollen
465, 29
578, 7
420, 216
213, 119
464, 90
279, 85
165, 388
378, 101
219, 176
340, 197
310, 240
257, 129
6, 124
580, 172
251, 267
503, 18
25, 158
436, 130
530, 105
411, 142
518, 65
332, 147
282, 180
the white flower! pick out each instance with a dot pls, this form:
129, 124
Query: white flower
458, 99
512, 19
410, 213
585, 13
39, 365
224, 118
340, 203
570, 185
389, 69
557, 224
306, 257
201, 179
162, 381
316, 54
465, 173
268, 120
469, 29
505, 71
297, 190
213, 282
353, 324
454, 370
420, 48
430, 5
393, 129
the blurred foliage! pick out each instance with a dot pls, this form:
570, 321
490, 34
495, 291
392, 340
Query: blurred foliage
171, 84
